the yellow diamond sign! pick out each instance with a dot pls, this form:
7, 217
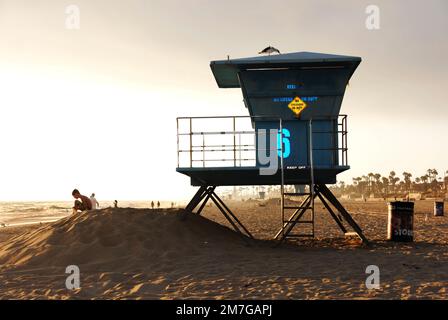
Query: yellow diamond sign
297, 106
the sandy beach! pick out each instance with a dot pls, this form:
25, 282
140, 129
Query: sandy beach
130, 253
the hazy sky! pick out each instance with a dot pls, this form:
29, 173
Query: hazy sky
95, 108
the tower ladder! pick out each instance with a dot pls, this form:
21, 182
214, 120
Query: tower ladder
299, 215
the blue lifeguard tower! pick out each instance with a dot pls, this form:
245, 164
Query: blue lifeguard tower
294, 135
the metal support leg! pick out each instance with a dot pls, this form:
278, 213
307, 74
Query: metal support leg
196, 199
232, 215
204, 194
209, 191
335, 202
235, 227
335, 217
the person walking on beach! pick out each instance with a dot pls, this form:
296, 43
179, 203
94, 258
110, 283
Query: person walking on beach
115, 204
158, 204
95, 204
83, 204
152, 205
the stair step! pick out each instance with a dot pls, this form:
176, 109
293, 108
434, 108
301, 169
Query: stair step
297, 207
294, 235
351, 234
300, 221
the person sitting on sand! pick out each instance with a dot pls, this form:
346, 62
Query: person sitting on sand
84, 204
95, 204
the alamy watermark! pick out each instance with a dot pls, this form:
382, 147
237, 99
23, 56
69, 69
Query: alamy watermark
262, 152
373, 280
73, 17
373, 17
73, 281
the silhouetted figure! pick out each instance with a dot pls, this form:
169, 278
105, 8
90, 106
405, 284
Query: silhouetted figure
115, 204
84, 204
269, 50
95, 204
152, 205
172, 205
158, 204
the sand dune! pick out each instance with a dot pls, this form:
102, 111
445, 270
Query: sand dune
118, 245
114, 235
154, 254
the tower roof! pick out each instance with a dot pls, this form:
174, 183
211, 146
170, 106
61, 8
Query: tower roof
226, 71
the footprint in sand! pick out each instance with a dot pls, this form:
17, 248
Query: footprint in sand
111, 240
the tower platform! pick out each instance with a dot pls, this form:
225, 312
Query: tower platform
249, 176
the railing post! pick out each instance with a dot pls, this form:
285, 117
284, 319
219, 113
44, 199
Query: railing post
310, 148
203, 150
234, 142
178, 153
282, 176
239, 150
191, 143
346, 144
341, 125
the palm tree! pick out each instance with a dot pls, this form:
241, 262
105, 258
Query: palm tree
363, 184
416, 184
407, 180
433, 182
432, 174
385, 181
366, 178
377, 178
357, 184
393, 180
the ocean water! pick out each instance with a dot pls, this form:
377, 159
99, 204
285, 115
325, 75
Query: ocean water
17, 213
21, 213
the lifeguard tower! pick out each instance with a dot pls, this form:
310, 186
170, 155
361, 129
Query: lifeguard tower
294, 135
